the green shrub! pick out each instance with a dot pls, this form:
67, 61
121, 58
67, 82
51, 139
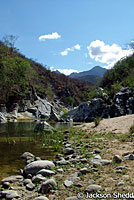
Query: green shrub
97, 121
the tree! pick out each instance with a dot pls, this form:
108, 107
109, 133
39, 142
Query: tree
9, 41
70, 101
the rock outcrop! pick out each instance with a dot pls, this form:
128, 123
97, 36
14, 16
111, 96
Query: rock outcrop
104, 107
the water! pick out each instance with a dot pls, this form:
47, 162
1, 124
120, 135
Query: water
17, 138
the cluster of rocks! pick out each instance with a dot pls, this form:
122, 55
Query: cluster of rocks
104, 107
37, 109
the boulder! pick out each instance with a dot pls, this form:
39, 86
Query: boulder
2, 118
12, 179
46, 172
9, 194
42, 126
47, 186
36, 166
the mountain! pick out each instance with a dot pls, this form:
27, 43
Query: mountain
90, 79
92, 76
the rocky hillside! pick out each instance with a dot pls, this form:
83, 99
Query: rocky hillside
121, 75
22, 79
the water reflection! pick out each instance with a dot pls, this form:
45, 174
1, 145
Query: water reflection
17, 138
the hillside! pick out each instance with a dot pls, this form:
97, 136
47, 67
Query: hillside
121, 75
92, 79
21, 78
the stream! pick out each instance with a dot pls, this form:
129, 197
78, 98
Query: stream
17, 138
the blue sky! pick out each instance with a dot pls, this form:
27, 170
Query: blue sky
70, 34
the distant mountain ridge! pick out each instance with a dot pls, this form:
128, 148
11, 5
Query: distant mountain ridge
93, 75
96, 71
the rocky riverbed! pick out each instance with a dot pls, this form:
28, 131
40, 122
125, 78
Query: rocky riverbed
91, 162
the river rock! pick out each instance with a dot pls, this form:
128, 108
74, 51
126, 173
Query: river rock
27, 181
72, 198
68, 183
46, 172
117, 159
47, 186
30, 186
12, 179
93, 188
41, 198
36, 166
68, 151
38, 178
9, 194
129, 157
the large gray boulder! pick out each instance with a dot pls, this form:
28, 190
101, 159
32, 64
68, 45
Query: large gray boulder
36, 166
88, 111
44, 108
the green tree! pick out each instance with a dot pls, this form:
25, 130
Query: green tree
15, 76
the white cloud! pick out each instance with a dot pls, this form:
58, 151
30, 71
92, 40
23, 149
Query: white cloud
64, 71
51, 36
107, 54
65, 52
77, 46
67, 71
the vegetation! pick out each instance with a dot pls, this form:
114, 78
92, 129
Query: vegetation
19, 75
122, 75
97, 121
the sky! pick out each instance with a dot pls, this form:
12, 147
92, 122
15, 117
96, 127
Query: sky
70, 35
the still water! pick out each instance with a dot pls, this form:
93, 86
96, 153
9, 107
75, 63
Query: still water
17, 138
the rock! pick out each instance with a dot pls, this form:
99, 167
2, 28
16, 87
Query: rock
43, 126
72, 198
91, 181
129, 157
38, 178
27, 156
45, 172
60, 170
41, 198
62, 162
36, 166
117, 159
9, 194
12, 179
27, 181
30, 186
97, 151
83, 160
47, 186
105, 162
6, 185
121, 183
68, 151
44, 108
2, 118
93, 188
84, 170
68, 183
